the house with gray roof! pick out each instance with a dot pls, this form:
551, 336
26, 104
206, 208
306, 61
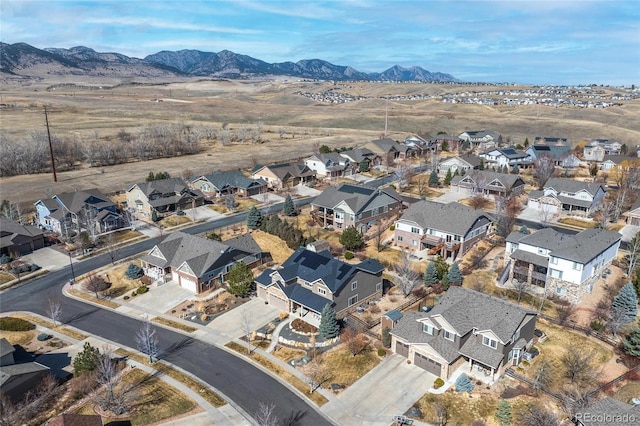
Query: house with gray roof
481, 139
330, 165
17, 376
461, 164
17, 240
498, 158
198, 264
561, 264
308, 281
163, 196
487, 183
387, 150
284, 175
354, 205
360, 155
221, 184
449, 230
84, 210
467, 329
557, 149
607, 412
567, 195
632, 217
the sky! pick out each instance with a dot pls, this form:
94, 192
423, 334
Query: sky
528, 42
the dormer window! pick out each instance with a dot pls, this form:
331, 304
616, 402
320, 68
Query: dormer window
489, 342
449, 335
427, 329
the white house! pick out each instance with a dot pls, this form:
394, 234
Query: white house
330, 164
567, 195
506, 157
562, 264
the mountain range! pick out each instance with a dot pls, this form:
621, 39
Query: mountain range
21, 59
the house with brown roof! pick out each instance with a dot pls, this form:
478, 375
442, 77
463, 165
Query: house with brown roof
467, 329
17, 240
388, 150
330, 165
198, 264
163, 196
283, 175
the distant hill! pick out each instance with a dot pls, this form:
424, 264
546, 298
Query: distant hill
24, 60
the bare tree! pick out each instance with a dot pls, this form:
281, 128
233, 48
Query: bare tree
246, 324
546, 213
537, 415
379, 229
615, 320
577, 366
95, 283
111, 246
402, 173
147, 340
353, 340
443, 408
117, 397
605, 212
544, 376
631, 259
265, 415
317, 373
422, 185
520, 288
565, 311
408, 278
575, 399
54, 309
478, 202
545, 167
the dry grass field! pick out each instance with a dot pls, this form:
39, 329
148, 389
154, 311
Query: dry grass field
291, 125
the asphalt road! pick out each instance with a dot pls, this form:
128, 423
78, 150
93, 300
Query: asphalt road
240, 381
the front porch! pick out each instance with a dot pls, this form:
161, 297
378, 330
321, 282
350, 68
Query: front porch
304, 313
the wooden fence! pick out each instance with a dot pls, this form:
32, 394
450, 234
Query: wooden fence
603, 337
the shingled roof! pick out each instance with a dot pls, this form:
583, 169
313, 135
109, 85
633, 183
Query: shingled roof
453, 218
484, 178
572, 186
357, 197
12, 232
76, 200
232, 179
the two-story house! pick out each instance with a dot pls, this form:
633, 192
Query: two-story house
361, 155
488, 183
163, 196
558, 149
596, 149
508, 157
330, 165
632, 217
220, 184
387, 150
283, 175
481, 139
562, 264
89, 210
449, 230
466, 329
567, 195
308, 281
354, 205
198, 264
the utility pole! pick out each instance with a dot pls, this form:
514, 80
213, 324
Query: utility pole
53, 162
386, 115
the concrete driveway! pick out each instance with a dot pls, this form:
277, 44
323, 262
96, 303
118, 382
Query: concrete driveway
268, 197
629, 231
230, 324
48, 258
160, 299
389, 389
202, 213
451, 196
531, 214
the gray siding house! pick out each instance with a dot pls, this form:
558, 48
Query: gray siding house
469, 329
307, 281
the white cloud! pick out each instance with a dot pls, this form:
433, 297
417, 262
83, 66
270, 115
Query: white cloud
168, 25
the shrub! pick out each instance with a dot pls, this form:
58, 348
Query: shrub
348, 255
525, 363
420, 292
133, 293
142, 289
4, 259
596, 325
464, 384
134, 271
392, 227
33, 267
15, 324
126, 297
381, 352
438, 383
43, 336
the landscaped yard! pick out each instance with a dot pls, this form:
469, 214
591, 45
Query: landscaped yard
120, 283
347, 369
173, 220
5, 277
578, 223
124, 235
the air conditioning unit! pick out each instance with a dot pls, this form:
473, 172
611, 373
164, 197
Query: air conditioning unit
527, 356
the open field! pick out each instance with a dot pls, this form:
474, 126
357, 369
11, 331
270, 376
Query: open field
290, 124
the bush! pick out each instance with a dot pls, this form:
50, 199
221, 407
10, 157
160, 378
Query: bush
134, 271
392, 227
525, 363
126, 297
381, 352
142, 289
43, 336
4, 259
464, 384
15, 324
134, 294
438, 383
33, 267
348, 255
596, 325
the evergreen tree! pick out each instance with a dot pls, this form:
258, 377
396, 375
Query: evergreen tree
515, 170
442, 267
254, 218
215, 237
150, 177
631, 343
239, 279
444, 282
433, 179
324, 149
464, 384
503, 413
445, 146
329, 327
363, 166
289, 209
86, 360
524, 230
454, 275
625, 304
351, 238
526, 142
448, 177
386, 337
430, 277
154, 215
481, 165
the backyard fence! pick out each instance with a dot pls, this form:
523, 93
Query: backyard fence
603, 337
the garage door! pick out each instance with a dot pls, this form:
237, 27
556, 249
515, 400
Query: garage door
428, 364
402, 349
278, 303
188, 284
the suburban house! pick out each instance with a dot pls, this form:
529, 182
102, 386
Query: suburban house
567, 195
17, 240
308, 281
163, 196
560, 151
388, 150
550, 140
468, 329
460, 164
449, 230
330, 165
198, 264
632, 217
221, 184
88, 210
607, 412
488, 183
598, 148
283, 175
509, 157
481, 139
17, 378
610, 162
562, 264
359, 155
354, 205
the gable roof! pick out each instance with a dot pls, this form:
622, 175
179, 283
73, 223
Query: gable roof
484, 178
233, 179
6, 348
281, 170
11, 232
357, 197
358, 154
162, 186
454, 218
555, 151
581, 247
386, 145
76, 200
572, 186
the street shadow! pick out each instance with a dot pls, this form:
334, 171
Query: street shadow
293, 419
176, 347
70, 320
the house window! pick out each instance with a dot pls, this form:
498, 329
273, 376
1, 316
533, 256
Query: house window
432, 232
353, 300
322, 290
379, 287
415, 230
489, 342
561, 291
457, 238
555, 273
577, 266
354, 285
554, 260
414, 242
449, 335
427, 329
399, 238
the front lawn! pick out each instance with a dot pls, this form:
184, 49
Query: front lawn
347, 369
120, 283
5, 277
578, 223
173, 220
